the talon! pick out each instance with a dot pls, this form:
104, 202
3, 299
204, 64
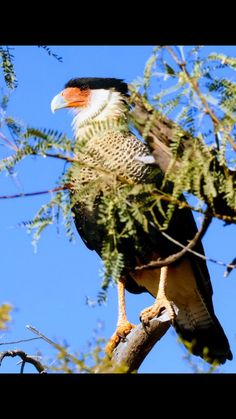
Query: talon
145, 322
154, 311
122, 337
119, 336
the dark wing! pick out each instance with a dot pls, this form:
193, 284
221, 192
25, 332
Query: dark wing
87, 226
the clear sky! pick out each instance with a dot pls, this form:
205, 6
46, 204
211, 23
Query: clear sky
48, 289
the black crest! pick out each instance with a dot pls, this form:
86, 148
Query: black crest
99, 83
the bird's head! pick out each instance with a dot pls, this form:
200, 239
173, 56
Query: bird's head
92, 98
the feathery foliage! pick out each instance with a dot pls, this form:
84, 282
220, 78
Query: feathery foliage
6, 63
184, 84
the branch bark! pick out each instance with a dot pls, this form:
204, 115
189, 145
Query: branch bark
132, 352
25, 359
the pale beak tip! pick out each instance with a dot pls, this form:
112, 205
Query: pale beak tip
58, 102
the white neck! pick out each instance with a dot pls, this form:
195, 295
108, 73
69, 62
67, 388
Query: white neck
103, 104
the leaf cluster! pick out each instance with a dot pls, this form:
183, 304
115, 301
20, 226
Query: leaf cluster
6, 63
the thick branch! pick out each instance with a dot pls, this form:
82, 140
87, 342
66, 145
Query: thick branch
25, 358
139, 343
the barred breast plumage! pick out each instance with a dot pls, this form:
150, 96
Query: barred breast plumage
109, 154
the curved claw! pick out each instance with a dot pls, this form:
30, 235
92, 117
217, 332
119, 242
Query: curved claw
120, 335
153, 311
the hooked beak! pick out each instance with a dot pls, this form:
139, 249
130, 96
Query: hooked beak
58, 102
71, 97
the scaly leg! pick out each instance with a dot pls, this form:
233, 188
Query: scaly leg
123, 325
161, 301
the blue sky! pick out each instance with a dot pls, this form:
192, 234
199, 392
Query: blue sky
48, 289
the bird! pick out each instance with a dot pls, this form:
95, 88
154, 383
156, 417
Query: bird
118, 152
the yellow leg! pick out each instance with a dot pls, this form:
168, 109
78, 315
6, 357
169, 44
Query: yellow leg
161, 301
123, 325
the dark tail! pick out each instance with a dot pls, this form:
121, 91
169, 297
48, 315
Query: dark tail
207, 339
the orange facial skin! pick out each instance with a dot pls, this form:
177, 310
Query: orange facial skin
75, 96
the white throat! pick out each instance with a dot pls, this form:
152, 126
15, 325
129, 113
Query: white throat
103, 104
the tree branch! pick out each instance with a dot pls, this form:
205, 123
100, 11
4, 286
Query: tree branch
159, 263
183, 204
25, 358
60, 348
139, 342
18, 341
173, 258
37, 332
218, 262
23, 195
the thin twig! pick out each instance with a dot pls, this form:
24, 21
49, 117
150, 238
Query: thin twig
72, 160
81, 162
56, 346
173, 258
183, 204
230, 267
37, 332
25, 358
167, 198
23, 195
218, 262
8, 142
86, 164
59, 156
119, 178
18, 341
194, 84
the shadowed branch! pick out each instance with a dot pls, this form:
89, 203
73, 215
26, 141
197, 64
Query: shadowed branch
25, 359
173, 258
